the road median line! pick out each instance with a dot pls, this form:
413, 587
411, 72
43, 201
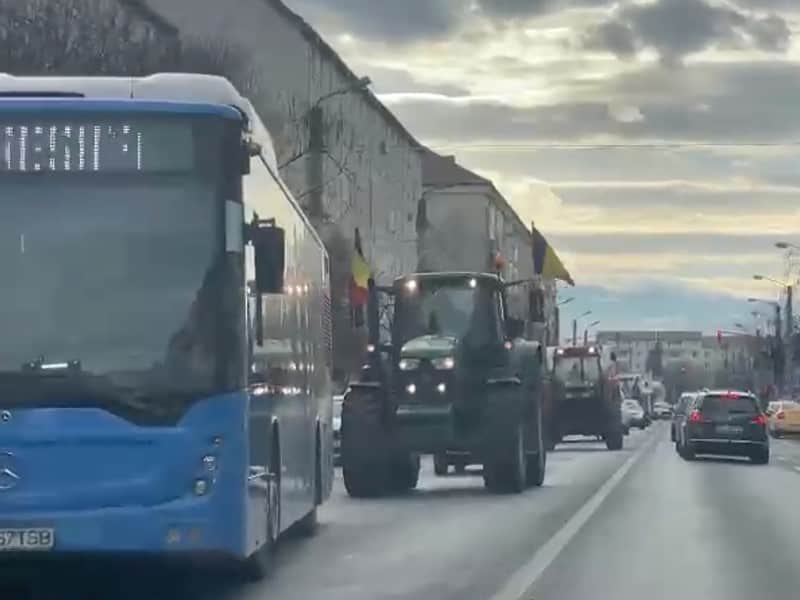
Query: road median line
519, 585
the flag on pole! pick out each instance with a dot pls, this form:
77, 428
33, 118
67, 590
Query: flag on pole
546, 262
360, 274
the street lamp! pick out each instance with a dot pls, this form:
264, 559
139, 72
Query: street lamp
361, 84
586, 332
316, 148
575, 326
565, 301
786, 246
770, 279
777, 307
770, 302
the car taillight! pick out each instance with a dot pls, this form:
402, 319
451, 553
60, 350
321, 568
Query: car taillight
762, 420
780, 415
695, 417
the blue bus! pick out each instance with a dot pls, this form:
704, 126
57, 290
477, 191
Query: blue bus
165, 330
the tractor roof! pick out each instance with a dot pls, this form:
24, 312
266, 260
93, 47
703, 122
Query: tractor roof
451, 275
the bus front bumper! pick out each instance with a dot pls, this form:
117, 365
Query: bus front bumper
189, 525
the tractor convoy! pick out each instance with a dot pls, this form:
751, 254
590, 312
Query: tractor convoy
449, 374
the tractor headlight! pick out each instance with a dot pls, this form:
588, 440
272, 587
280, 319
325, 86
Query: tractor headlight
409, 364
446, 363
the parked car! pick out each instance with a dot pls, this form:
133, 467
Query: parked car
724, 423
679, 411
632, 414
662, 410
783, 417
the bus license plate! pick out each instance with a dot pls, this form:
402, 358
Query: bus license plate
26, 540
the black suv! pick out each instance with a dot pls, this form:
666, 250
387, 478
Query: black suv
726, 423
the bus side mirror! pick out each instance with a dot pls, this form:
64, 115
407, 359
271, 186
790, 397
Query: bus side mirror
270, 256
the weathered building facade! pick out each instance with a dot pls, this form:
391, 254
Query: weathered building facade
466, 224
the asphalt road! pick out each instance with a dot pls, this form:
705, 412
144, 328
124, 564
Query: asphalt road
639, 523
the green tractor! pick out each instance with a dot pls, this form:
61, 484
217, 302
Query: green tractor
455, 380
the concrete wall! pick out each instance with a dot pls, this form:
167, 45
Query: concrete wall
456, 238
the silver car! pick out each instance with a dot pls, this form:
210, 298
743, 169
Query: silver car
632, 414
337, 428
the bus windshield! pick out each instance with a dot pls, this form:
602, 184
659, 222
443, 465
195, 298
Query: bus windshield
111, 269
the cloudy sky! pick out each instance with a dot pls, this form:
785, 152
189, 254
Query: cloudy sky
654, 142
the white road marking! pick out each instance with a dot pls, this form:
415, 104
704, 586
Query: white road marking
796, 468
525, 577
781, 458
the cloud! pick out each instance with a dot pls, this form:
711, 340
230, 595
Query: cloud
651, 245
612, 36
678, 28
732, 102
399, 81
531, 92
509, 9
392, 21
662, 303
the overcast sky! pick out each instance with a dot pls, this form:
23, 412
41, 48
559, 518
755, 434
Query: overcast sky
696, 104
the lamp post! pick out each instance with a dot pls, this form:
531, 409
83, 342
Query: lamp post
575, 326
316, 144
777, 307
586, 332
786, 246
787, 341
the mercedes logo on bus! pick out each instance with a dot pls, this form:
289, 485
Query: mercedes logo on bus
5, 416
9, 471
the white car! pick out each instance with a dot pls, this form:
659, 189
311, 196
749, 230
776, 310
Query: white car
632, 414
662, 410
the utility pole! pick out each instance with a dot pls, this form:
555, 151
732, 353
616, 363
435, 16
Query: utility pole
585, 337
788, 373
574, 332
315, 164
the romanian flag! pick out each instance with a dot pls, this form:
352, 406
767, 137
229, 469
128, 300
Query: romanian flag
545, 260
360, 274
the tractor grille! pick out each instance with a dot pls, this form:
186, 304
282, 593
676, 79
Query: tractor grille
429, 385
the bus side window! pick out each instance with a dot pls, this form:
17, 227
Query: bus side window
263, 196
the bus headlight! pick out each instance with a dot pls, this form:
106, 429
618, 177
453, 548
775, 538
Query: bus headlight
411, 388
445, 363
441, 388
409, 364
